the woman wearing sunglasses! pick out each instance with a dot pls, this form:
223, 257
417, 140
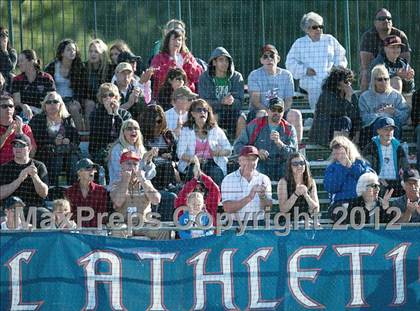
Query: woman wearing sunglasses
175, 79
311, 57
381, 100
297, 189
57, 138
370, 207
106, 122
201, 136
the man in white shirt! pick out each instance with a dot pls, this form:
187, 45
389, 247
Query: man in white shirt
246, 190
178, 115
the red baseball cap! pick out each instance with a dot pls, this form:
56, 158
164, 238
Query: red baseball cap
129, 155
249, 150
269, 48
393, 40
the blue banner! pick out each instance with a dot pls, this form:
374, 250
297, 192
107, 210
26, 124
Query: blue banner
325, 269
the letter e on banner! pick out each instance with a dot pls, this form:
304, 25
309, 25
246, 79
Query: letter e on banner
112, 278
296, 274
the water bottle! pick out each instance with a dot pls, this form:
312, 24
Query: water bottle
101, 179
405, 148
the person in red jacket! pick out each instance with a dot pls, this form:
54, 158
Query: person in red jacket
174, 54
203, 183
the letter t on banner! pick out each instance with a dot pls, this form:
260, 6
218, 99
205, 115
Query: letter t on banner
156, 276
201, 278
356, 252
112, 278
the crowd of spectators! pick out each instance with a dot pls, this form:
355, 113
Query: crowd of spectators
176, 133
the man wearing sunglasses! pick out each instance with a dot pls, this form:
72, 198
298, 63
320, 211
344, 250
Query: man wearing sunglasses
372, 43
10, 126
274, 137
24, 177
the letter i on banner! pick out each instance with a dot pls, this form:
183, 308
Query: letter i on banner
112, 278
296, 274
201, 278
15, 281
156, 276
355, 252
398, 256
254, 285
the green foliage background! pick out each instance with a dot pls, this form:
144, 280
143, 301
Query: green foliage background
239, 25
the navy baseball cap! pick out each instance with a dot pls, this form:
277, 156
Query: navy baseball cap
384, 122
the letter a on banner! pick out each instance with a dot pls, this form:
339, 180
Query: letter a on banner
156, 276
112, 278
201, 278
296, 275
15, 277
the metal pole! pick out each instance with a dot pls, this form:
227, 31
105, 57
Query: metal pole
20, 26
190, 26
179, 10
94, 20
10, 7
347, 31
263, 22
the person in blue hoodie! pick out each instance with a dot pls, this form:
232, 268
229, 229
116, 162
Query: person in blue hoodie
223, 88
342, 174
386, 155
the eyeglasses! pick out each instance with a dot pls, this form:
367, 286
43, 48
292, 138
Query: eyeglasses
277, 109
52, 102
132, 128
382, 79
158, 121
19, 145
374, 186
200, 110
179, 79
111, 95
298, 163
5, 106
315, 27
384, 18
268, 56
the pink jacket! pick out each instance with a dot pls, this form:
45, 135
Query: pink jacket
164, 62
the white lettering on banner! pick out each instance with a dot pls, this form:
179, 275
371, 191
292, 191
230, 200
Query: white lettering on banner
254, 284
356, 252
398, 256
112, 278
15, 281
156, 277
296, 274
225, 278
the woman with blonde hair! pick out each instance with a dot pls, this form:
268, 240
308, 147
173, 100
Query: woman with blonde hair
342, 174
130, 139
57, 138
106, 122
381, 100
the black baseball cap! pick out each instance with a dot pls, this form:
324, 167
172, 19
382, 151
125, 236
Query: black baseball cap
128, 57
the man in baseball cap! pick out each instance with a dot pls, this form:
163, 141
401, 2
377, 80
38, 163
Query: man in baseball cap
409, 203
10, 206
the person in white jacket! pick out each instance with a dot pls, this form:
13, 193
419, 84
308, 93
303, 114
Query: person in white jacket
311, 57
201, 136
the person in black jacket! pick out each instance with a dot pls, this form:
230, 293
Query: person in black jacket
8, 57
415, 118
57, 138
337, 109
105, 122
386, 155
67, 71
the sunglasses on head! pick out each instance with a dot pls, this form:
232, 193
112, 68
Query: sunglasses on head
315, 27
108, 95
19, 145
384, 18
132, 128
374, 186
382, 79
200, 110
5, 106
277, 109
298, 163
52, 101
268, 56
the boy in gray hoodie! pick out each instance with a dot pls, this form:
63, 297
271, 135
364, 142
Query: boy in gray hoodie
223, 88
